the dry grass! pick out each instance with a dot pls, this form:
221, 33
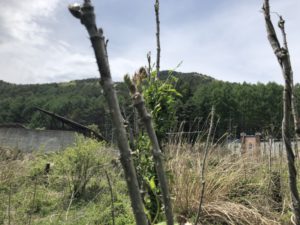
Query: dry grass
225, 212
237, 187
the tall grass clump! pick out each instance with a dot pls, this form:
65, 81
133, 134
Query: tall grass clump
239, 188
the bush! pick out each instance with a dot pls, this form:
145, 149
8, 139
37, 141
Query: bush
74, 191
81, 163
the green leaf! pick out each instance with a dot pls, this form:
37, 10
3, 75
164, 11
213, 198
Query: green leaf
152, 184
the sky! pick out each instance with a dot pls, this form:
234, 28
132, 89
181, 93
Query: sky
41, 42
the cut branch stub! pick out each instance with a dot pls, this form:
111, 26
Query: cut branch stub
75, 9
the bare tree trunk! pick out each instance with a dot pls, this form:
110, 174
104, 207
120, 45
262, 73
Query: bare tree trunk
283, 57
139, 103
207, 145
86, 15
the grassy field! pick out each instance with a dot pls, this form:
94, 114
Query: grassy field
75, 190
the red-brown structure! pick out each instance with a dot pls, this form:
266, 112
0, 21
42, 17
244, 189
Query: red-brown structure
250, 144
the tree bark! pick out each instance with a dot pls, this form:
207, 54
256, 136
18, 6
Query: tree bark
283, 58
295, 120
86, 15
293, 106
139, 104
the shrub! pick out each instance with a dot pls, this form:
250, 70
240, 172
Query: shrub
81, 163
161, 98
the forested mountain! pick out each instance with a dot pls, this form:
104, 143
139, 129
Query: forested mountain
240, 107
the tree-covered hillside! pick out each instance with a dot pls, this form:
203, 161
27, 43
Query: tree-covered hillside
240, 107
78, 100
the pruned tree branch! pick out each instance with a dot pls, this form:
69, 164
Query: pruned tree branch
139, 104
86, 15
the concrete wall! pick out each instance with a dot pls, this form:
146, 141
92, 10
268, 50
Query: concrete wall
31, 140
275, 148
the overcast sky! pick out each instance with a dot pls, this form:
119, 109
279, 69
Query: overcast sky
41, 42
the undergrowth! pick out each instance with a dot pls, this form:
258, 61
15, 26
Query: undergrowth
74, 190
239, 190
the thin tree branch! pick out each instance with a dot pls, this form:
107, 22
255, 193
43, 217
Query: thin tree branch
206, 149
70, 203
33, 200
149, 64
112, 198
9, 203
158, 49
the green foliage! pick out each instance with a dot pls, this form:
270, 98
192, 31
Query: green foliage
46, 198
161, 98
82, 101
164, 223
147, 177
143, 158
241, 106
81, 163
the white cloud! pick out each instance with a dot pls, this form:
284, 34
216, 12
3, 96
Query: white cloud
41, 42
19, 19
36, 65
122, 66
30, 52
231, 44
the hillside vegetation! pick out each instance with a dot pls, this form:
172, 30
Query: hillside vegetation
240, 107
